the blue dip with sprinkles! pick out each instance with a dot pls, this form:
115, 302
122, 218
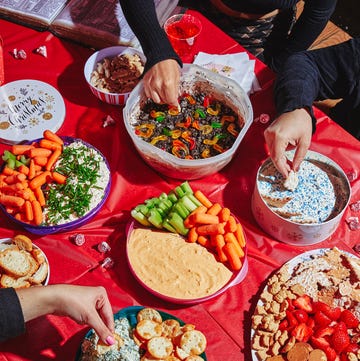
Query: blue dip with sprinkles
312, 201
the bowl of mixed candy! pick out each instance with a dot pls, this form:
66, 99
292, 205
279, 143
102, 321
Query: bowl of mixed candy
199, 137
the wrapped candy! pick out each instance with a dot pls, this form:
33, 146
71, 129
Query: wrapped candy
262, 118
353, 223
107, 263
41, 50
108, 121
78, 239
19, 54
103, 247
355, 207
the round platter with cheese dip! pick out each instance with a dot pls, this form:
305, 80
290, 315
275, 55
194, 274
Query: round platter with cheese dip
72, 191
165, 337
175, 270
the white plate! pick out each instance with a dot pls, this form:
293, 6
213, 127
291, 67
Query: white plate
27, 108
8, 241
291, 264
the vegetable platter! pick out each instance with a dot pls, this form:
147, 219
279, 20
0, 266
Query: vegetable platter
53, 184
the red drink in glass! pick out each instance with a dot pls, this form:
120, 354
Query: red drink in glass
182, 31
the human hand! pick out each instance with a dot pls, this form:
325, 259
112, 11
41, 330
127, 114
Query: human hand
85, 305
289, 130
161, 82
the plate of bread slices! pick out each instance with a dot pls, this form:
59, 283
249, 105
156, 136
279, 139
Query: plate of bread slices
22, 263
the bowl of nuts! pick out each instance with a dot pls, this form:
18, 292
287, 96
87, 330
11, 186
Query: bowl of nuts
113, 72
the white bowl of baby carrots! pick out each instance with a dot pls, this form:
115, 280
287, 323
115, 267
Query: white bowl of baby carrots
34, 179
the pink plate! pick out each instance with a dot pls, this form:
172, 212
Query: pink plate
236, 278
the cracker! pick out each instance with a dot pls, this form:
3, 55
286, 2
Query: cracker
193, 342
160, 347
148, 313
148, 329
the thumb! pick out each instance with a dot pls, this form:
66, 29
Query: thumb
299, 156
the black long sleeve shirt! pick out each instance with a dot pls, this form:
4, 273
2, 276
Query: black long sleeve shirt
11, 317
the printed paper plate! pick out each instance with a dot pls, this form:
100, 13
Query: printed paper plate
27, 108
130, 314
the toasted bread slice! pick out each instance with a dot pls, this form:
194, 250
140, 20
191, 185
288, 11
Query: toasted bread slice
23, 242
7, 281
38, 255
40, 275
15, 262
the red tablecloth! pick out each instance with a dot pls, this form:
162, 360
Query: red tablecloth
226, 320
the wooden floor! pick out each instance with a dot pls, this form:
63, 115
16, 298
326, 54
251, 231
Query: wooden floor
331, 35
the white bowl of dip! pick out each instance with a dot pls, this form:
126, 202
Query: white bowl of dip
315, 207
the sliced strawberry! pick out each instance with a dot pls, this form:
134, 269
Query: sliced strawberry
349, 318
340, 339
284, 324
330, 354
304, 303
352, 347
332, 312
319, 342
302, 332
324, 331
321, 320
301, 315
291, 319
310, 322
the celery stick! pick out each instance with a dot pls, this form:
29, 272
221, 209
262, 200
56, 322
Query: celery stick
172, 197
168, 226
194, 199
155, 218
143, 209
177, 222
140, 218
186, 188
188, 203
179, 191
180, 210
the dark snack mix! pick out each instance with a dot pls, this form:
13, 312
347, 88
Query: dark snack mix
203, 128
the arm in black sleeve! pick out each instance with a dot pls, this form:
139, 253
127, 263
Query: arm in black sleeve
297, 84
142, 18
11, 317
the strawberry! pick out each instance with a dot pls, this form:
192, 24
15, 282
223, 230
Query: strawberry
349, 318
340, 339
332, 312
319, 342
284, 324
310, 322
330, 354
321, 320
301, 315
304, 303
324, 331
302, 332
291, 319
352, 347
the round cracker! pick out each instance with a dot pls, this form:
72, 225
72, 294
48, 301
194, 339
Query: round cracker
160, 347
148, 329
193, 342
148, 313
171, 328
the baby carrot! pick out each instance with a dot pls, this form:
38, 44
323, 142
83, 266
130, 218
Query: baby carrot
31, 174
202, 199
12, 201
203, 218
58, 178
209, 229
27, 194
218, 240
239, 234
234, 260
192, 235
214, 209
40, 160
230, 225
230, 238
39, 180
203, 241
224, 214
49, 135
23, 169
39, 195
52, 159
28, 211
38, 215
39, 152
8, 171
45, 143
19, 149
15, 178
